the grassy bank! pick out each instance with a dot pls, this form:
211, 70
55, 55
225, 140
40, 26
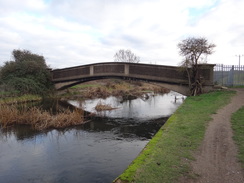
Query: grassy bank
166, 156
237, 121
19, 99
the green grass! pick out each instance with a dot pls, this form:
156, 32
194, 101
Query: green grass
83, 86
237, 87
23, 98
237, 121
166, 156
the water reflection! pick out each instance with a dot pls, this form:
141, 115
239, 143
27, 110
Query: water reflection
156, 106
72, 155
119, 127
126, 128
97, 151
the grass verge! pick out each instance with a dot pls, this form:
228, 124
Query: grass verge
237, 122
166, 156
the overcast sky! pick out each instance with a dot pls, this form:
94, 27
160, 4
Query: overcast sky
76, 32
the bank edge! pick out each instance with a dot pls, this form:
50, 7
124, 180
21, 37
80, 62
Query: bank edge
167, 155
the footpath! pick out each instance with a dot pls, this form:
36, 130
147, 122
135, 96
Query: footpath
216, 159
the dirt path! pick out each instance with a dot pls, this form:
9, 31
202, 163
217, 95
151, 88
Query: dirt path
216, 160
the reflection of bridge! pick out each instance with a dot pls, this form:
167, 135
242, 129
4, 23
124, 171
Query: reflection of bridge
171, 77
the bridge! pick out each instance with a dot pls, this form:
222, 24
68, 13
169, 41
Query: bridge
169, 76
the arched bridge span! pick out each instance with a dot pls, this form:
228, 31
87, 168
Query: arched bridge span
171, 77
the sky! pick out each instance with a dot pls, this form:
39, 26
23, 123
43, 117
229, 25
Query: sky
78, 32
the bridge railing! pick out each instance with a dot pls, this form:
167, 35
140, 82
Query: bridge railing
146, 71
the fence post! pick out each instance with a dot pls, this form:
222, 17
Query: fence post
222, 74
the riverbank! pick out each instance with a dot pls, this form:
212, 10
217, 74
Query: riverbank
166, 157
41, 119
19, 99
127, 89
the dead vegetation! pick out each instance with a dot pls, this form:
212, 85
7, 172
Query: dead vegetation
118, 88
38, 118
103, 107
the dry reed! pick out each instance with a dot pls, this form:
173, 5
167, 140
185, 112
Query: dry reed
123, 89
103, 107
39, 119
99, 92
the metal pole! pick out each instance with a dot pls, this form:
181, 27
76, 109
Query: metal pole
239, 69
239, 60
222, 75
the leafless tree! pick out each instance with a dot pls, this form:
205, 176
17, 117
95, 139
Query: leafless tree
195, 51
126, 56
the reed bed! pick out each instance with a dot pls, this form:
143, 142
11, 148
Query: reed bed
99, 92
39, 119
119, 88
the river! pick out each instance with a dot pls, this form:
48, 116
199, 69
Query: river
97, 151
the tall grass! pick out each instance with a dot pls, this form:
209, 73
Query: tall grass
116, 88
39, 119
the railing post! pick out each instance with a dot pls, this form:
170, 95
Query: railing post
127, 69
91, 70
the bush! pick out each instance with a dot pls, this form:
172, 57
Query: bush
27, 74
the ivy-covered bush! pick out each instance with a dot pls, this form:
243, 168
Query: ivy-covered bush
27, 73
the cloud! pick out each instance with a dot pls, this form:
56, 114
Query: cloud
70, 32
223, 26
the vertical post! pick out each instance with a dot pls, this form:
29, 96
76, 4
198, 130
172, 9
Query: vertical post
222, 75
127, 69
91, 70
239, 56
239, 72
239, 62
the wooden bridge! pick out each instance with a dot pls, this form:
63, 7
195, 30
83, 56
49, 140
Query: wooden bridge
170, 77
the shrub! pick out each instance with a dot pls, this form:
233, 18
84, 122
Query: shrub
27, 74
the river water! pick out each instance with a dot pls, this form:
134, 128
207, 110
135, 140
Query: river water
98, 151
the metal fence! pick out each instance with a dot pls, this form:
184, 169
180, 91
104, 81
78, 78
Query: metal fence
229, 75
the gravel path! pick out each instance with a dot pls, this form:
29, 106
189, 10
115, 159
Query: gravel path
216, 160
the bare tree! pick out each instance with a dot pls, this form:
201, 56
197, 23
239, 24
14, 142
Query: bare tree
126, 56
194, 51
